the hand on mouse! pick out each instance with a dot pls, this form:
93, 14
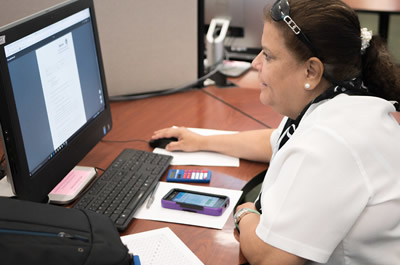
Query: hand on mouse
188, 141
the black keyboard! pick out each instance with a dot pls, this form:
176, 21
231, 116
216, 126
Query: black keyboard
125, 185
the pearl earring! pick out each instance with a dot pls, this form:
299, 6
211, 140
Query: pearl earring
307, 85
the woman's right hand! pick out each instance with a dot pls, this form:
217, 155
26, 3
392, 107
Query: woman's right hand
188, 141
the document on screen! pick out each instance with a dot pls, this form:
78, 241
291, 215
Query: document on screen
61, 88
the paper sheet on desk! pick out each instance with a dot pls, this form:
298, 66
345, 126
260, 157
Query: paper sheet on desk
160, 246
158, 213
202, 158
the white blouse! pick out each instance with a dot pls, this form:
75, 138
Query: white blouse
332, 192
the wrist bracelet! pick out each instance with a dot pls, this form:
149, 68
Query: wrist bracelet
240, 214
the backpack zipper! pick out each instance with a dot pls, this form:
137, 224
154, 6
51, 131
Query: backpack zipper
33, 233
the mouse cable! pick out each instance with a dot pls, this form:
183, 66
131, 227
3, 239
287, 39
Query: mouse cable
237, 109
167, 91
124, 141
99, 168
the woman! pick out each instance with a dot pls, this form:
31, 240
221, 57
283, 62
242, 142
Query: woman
332, 191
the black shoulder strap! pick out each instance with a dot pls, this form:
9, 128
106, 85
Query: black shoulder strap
249, 186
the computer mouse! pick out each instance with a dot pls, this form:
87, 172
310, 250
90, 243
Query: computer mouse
162, 142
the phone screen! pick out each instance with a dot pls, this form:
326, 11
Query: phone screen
193, 201
196, 199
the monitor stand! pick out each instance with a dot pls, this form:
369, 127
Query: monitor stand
66, 191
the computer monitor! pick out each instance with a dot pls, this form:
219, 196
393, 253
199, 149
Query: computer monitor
246, 25
53, 98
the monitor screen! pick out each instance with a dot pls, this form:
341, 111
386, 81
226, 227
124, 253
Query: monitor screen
54, 105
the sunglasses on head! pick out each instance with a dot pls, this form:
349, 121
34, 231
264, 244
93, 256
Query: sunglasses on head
281, 11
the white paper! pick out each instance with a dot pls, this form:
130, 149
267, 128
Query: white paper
160, 246
158, 213
202, 158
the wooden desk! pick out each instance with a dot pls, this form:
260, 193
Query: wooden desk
138, 120
383, 7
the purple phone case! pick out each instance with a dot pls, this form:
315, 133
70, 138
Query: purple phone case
198, 209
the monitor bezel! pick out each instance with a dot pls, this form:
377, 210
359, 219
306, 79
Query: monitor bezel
39, 185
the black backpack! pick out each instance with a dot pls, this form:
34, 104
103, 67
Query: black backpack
41, 234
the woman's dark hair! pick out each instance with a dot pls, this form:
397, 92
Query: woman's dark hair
334, 30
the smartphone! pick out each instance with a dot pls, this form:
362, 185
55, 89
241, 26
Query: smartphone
194, 201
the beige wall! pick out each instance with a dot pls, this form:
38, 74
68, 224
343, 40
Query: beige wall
11, 10
142, 50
